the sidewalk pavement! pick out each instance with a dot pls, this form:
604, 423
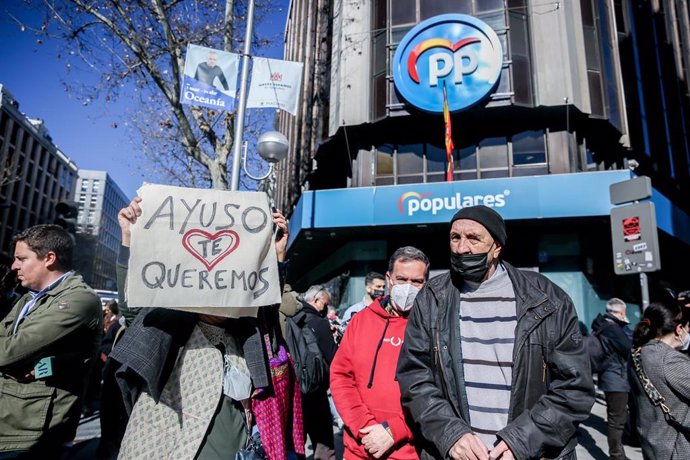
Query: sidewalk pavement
591, 437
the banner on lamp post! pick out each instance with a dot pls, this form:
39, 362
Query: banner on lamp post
210, 78
275, 83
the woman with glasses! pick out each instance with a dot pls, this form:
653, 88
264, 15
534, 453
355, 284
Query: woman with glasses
660, 383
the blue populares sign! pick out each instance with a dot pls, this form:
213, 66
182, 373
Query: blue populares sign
455, 50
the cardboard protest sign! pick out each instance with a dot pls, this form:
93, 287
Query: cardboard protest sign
207, 251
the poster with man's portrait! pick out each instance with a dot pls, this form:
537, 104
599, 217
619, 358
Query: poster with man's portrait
206, 251
210, 78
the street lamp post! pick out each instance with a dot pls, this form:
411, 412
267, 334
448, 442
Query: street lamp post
273, 147
239, 121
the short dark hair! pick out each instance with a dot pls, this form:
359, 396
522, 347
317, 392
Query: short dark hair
45, 238
408, 254
371, 276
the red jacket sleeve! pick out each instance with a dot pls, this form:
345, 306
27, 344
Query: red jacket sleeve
346, 396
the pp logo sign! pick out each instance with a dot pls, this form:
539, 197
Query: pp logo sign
455, 50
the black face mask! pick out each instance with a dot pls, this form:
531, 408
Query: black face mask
470, 267
377, 293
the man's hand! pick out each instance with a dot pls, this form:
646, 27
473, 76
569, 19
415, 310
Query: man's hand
127, 217
469, 447
281, 234
501, 451
377, 440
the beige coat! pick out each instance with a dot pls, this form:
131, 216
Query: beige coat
175, 427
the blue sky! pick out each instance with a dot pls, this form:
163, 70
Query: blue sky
86, 134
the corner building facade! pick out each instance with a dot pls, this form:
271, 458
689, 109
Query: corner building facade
588, 91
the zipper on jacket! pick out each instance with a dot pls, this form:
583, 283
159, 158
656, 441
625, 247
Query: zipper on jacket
518, 347
444, 377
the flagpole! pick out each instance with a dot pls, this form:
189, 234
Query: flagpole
239, 121
450, 167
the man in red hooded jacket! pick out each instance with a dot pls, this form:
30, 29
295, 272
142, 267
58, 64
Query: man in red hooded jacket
363, 371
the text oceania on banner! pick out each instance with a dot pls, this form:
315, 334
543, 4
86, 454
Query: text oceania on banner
422, 203
190, 96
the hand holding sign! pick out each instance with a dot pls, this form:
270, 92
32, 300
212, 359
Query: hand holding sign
282, 234
201, 250
128, 217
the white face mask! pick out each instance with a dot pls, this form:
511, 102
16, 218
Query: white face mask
236, 384
403, 296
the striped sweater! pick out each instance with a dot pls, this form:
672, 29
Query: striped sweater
487, 326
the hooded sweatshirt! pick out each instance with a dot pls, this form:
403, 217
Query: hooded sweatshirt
363, 382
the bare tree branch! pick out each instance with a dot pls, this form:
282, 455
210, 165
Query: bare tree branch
135, 48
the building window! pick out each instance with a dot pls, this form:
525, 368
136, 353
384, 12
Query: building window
592, 57
493, 154
520, 52
529, 148
435, 163
410, 160
525, 154
3, 123
431, 8
384, 166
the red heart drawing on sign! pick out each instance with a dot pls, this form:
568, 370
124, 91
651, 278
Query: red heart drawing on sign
211, 248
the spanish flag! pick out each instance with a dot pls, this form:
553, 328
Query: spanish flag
449, 137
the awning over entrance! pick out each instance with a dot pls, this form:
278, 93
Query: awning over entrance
326, 221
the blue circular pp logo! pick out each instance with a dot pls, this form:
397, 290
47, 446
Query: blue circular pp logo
455, 50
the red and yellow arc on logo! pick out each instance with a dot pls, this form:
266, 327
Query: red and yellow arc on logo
407, 195
434, 43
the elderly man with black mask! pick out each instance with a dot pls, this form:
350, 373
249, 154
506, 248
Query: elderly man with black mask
493, 365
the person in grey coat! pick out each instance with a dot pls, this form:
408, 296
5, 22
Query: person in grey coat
663, 331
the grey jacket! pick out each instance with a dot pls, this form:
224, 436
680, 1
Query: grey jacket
669, 371
552, 390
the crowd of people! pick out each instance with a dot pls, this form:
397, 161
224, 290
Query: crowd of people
485, 361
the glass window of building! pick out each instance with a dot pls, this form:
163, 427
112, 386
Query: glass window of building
592, 57
431, 8
3, 123
15, 131
410, 159
488, 5
529, 148
520, 52
403, 12
25, 141
384, 165
468, 158
435, 163
493, 153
